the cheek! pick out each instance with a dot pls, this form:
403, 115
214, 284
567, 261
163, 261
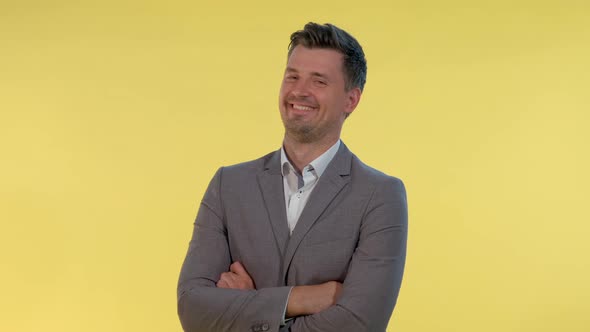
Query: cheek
285, 88
333, 102
281, 96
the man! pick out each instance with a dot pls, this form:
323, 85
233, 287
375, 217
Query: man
307, 238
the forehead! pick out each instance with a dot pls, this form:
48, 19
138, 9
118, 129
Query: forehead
318, 60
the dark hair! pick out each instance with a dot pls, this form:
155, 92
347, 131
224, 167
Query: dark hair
330, 36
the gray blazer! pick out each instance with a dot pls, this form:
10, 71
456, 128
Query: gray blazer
353, 230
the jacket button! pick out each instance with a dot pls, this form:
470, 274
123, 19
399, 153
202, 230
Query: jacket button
265, 327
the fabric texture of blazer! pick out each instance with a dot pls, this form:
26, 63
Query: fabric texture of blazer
352, 230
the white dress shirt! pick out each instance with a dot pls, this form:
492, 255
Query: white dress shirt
298, 187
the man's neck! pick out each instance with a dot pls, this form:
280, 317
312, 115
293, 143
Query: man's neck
301, 154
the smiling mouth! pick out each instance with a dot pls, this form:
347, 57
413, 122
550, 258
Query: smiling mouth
302, 107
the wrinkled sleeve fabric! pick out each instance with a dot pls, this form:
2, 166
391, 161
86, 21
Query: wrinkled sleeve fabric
204, 307
374, 277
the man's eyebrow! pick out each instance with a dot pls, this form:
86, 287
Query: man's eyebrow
291, 70
320, 75
315, 73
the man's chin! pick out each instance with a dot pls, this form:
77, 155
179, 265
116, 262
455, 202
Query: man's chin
302, 134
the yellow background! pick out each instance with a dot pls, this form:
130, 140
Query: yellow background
115, 114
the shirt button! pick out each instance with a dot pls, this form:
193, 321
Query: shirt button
265, 327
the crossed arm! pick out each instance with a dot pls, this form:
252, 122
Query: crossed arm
211, 298
303, 300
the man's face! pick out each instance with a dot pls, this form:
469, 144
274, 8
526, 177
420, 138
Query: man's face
313, 100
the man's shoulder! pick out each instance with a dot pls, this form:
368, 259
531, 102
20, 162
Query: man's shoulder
250, 167
362, 172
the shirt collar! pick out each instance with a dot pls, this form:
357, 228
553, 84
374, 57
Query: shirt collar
319, 164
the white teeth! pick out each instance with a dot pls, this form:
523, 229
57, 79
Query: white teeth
302, 108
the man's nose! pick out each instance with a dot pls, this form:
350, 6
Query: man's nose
301, 88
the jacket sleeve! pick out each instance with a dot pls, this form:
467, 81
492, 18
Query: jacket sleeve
204, 307
374, 277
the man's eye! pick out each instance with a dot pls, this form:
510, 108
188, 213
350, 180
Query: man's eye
291, 77
321, 82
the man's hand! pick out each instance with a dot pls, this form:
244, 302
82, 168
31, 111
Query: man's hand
309, 300
236, 278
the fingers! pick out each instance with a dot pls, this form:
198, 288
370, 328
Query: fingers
238, 269
236, 278
227, 280
244, 279
222, 284
337, 292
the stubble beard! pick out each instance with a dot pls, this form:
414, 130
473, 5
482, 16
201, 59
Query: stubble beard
308, 133
301, 133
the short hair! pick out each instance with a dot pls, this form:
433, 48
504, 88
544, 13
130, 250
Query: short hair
330, 36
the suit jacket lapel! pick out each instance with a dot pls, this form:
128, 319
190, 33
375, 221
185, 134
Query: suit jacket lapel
335, 177
270, 181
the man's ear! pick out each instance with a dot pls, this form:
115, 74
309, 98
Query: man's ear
352, 100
